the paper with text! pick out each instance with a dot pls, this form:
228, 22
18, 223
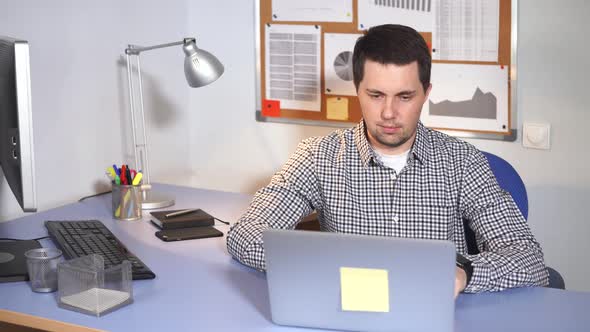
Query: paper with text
312, 10
466, 30
413, 13
292, 62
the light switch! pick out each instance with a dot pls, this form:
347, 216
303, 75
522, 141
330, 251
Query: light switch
536, 135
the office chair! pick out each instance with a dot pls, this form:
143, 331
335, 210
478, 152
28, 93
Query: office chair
509, 180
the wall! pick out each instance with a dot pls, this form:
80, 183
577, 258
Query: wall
79, 91
208, 137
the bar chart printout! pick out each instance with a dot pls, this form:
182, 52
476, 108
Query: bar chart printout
417, 14
419, 5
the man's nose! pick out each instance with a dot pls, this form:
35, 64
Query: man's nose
390, 109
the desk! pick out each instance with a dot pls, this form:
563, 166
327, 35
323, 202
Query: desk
199, 287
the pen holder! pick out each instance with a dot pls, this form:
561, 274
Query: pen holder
86, 286
127, 201
42, 268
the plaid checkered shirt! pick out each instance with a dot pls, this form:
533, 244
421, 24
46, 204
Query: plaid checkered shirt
444, 182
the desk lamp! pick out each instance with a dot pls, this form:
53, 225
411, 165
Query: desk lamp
200, 68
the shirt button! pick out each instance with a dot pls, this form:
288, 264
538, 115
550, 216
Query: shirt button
395, 219
393, 176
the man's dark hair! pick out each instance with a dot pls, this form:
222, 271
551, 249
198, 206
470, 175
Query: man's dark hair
391, 44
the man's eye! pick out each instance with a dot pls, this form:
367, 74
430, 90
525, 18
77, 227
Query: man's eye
406, 98
375, 96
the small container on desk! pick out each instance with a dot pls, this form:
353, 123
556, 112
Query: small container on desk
127, 201
42, 268
86, 286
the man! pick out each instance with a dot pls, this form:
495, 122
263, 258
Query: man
391, 176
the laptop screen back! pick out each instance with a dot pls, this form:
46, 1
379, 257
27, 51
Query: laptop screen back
359, 282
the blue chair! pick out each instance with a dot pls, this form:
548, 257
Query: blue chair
509, 180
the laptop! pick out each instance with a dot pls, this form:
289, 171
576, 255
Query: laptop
359, 282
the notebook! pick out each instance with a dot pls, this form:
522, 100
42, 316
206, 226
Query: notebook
359, 282
196, 218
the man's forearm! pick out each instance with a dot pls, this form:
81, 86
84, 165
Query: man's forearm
516, 266
244, 243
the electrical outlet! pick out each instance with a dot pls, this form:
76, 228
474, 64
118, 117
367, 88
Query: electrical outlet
536, 135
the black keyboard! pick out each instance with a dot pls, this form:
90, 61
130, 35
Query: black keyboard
84, 237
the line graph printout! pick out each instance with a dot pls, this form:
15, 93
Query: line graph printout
292, 61
477, 99
466, 30
417, 14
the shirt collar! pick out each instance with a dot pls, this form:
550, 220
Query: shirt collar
420, 149
364, 147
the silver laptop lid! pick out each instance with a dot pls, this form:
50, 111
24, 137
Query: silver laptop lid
359, 282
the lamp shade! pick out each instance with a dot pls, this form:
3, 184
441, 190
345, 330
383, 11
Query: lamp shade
200, 67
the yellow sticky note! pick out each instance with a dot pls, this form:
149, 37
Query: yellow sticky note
364, 289
337, 108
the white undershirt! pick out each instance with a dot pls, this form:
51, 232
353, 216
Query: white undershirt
397, 161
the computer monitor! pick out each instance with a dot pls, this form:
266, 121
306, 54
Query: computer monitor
16, 147
16, 123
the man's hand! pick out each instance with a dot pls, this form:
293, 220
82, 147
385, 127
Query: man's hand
460, 280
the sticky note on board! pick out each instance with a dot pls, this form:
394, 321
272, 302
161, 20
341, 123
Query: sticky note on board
364, 289
337, 108
271, 108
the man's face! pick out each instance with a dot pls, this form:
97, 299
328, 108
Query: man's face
391, 99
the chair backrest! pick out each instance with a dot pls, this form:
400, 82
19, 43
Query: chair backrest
509, 180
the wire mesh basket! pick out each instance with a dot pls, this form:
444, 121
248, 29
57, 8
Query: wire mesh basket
42, 268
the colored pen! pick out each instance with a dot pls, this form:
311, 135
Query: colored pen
128, 175
123, 203
123, 175
137, 178
180, 213
111, 173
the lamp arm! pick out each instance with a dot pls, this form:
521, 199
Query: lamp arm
135, 49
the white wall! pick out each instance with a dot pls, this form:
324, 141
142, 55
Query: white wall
79, 91
208, 137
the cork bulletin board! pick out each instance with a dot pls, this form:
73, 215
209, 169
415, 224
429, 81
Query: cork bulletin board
304, 69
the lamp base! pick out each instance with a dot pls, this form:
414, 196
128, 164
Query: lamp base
156, 200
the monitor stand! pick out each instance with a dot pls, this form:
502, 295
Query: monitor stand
13, 264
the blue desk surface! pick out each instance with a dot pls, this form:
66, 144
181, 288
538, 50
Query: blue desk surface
199, 287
